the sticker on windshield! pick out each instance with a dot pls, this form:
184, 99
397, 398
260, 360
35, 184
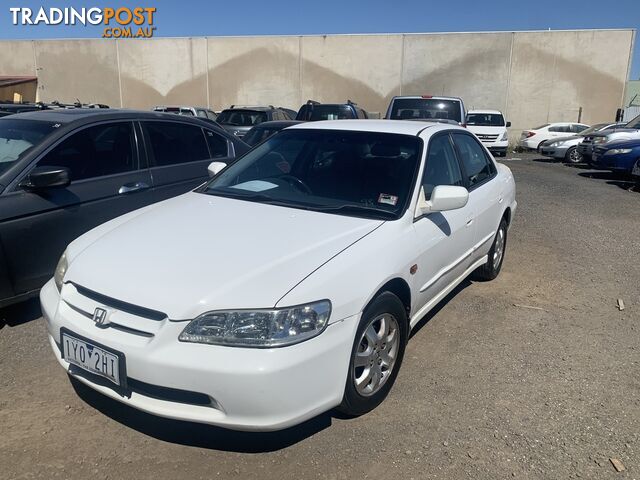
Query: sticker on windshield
388, 199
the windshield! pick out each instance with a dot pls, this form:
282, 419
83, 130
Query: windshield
314, 113
426, 108
593, 129
17, 137
486, 119
634, 123
352, 173
241, 118
259, 134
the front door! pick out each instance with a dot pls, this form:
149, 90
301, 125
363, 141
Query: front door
106, 181
444, 239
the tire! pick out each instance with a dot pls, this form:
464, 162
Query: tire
362, 397
573, 156
491, 269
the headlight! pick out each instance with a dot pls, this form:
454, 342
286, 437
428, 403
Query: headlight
259, 328
505, 136
61, 269
617, 151
599, 139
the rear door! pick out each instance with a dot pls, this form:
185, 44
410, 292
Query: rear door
179, 154
107, 180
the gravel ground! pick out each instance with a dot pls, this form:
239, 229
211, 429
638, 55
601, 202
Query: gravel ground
490, 388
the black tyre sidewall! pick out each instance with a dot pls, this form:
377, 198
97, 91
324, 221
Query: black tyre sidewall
495, 269
353, 403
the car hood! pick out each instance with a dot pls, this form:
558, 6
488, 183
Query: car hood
197, 252
604, 133
622, 143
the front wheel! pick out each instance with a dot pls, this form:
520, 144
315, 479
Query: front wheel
376, 355
573, 155
491, 269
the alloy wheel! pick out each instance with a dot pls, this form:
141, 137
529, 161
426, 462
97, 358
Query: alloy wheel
376, 354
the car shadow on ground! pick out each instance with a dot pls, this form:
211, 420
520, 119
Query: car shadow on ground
621, 180
20, 313
434, 311
200, 435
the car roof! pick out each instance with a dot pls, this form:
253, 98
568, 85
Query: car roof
406, 127
428, 97
249, 107
485, 111
64, 115
278, 124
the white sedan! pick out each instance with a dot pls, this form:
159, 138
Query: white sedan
531, 139
288, 284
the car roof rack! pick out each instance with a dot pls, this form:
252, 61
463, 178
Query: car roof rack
312, 102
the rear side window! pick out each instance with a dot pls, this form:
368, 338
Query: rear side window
173, 143
241, 118
95, 151
476, 164
426, 108
442, 167
218, 145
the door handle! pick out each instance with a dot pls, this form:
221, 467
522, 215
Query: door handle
132, 187
469, 222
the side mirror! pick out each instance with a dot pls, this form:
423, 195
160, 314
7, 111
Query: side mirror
215, 168
508, 124
443, 198
47, 177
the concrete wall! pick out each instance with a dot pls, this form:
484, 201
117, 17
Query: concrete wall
534, 77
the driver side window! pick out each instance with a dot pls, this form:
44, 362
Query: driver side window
441, 166
96, 151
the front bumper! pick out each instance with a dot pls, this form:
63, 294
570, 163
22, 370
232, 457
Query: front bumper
618, 163
497, 147
554, 152
249, 388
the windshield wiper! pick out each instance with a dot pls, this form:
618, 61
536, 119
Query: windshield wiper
353, 209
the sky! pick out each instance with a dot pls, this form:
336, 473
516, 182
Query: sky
298, 17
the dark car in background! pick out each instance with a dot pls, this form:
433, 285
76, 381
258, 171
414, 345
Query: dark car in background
313, 111
620, 156
201, 112
622, 131
264, 130
65, 171
238, 120
427, 107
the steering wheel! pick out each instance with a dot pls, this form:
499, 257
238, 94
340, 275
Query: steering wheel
297, 183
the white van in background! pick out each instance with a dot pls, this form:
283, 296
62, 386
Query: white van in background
428, 108
491, 129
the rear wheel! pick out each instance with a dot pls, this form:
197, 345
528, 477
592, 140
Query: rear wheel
491, 269
573, 156
376, 355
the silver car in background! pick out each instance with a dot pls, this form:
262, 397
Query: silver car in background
566, 148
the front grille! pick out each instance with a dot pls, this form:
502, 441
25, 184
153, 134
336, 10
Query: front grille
115, 325
120, 305
487, 138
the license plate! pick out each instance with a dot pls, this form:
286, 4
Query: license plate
92, 357
636, 169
